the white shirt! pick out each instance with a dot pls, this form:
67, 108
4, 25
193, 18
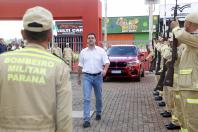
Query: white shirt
93, 60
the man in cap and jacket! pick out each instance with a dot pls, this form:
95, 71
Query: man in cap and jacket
189, 60
188, 68
35, 88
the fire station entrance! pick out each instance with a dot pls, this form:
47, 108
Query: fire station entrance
75, 42
71, 32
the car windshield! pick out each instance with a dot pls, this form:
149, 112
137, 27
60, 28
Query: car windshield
122, 51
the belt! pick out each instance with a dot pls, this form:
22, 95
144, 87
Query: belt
92, 74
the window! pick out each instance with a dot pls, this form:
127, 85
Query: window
122, 51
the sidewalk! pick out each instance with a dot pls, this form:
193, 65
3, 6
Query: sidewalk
128, 107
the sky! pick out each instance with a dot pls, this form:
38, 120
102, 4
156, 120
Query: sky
115, 8
130, 8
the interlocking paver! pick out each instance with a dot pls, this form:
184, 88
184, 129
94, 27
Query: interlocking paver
128, 107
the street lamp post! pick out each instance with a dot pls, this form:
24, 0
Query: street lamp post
150, 23
151, 4
105, 27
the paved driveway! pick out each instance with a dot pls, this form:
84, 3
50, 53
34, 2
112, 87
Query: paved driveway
128, 107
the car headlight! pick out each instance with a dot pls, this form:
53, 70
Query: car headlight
132, 63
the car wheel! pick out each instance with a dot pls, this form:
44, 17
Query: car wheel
138, 79
142, 75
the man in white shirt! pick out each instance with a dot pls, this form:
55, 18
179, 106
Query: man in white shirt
93, 63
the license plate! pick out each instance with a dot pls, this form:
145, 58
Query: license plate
116, 71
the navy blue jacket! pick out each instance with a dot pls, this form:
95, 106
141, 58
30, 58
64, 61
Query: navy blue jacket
3, 48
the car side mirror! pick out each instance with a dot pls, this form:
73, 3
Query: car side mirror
140, 54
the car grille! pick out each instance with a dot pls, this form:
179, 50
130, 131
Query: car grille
118, 64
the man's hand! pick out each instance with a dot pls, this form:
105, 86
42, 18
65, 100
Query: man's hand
174, 24
104, 72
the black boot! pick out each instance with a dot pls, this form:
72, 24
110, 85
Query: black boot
156, 93
172, 126
86, 124
163, 112
162, 104
166, 114
158, 98
98, 117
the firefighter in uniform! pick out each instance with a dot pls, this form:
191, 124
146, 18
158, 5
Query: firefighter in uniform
158, 47
67, 54
159, 87
164, 50
169, 94
175, 124
35, 86
57, 51
188, 70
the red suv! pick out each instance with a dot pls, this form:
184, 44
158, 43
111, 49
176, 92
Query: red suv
125, 62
